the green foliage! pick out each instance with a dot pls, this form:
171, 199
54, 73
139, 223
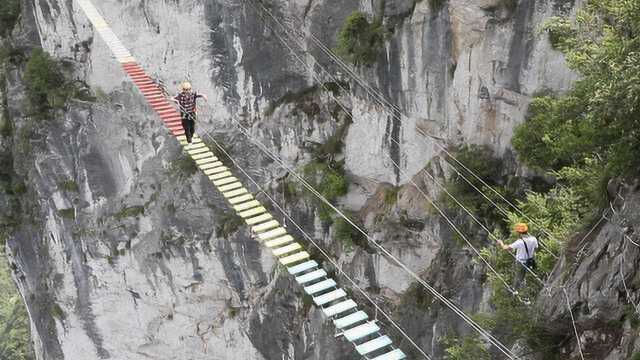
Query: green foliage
329, 180
436, 5
67, 213
347, 234
229, 223
360, 41
334, 144
391, 195
9, 13
631, 314
417, 295
470, 347
635, 356
46, 86
130, 211
14, 322
183, 165
600, 116
68, 185
560, 31
303, 100
482, 162
57, 312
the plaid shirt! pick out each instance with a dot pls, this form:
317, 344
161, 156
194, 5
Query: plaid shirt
187, 101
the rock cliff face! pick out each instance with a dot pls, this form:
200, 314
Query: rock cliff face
141, 261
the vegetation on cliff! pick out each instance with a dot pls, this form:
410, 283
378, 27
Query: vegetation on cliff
577, 141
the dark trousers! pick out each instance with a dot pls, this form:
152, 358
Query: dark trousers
189, 124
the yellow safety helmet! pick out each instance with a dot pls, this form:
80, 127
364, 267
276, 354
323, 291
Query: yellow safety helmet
185, 86
521, 228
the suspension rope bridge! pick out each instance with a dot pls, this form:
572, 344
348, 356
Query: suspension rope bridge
351, 323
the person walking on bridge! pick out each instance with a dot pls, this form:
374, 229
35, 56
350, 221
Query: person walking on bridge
186, 99
525, 248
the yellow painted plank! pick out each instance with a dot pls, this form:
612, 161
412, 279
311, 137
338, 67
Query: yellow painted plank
127, 60
220, 175
240, 199
197, 150
265, 226
234, 193
246, 206
279, 241
216, 167
206, 155
258, 219
232, 186
294, 258
225, 181
272, 234
287, 249
252, 212
209, 160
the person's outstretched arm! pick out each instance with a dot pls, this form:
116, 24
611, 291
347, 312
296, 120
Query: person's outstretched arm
504, 246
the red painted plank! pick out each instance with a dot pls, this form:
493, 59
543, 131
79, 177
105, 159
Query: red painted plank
160, 100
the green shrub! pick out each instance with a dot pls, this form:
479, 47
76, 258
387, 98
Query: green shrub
635, 356
68, 185
9, 13
333, 146
360, 41
482, 161
329, 180
560, 31
599, 115
130, 211
14, 342
228, 223
436, 5
183, 165
347, 234
391, 195
45, 83
57, 312
418, 296
67, 213
470, 347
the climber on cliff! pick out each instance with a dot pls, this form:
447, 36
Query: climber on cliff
186, 99
525, 248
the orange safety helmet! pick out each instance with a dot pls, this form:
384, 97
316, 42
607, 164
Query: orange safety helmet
521, 228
